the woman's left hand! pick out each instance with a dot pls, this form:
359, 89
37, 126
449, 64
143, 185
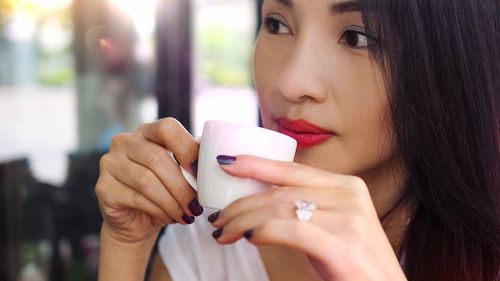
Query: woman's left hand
344, 239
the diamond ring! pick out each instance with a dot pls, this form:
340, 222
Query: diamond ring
304, 210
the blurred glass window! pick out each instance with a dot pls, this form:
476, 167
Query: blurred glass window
224, 32
73, 73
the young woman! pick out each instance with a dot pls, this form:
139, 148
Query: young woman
394, 104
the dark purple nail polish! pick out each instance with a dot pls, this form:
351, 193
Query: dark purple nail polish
213, 217
188, 219
195, 207
216, 234
194, 167
226, 159
248, 234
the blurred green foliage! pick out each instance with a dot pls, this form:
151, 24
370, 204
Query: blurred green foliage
225, 55
56, 77
56, 68
52, 67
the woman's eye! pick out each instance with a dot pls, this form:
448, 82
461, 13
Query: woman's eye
275, 26
356, 39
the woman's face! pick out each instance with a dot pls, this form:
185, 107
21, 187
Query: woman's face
316, 83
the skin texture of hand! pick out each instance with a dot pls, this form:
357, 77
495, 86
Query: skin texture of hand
344, 239
140, 189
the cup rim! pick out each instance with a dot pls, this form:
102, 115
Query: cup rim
249, 126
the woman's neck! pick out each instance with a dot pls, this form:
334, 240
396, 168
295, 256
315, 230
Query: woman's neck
386, 184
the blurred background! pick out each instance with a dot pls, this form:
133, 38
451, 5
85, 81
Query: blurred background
73, 73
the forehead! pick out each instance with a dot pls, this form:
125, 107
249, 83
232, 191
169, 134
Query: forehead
335, 6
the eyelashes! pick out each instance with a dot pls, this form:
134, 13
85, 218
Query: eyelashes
357, 39
353, 36
275, 26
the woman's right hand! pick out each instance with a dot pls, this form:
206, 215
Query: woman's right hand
140, 187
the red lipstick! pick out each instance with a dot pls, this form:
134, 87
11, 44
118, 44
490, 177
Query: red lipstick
305, 133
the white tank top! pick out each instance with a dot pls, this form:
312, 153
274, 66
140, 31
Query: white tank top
191, 254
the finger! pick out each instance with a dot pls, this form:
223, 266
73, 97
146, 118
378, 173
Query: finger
169, 133
158, 160
114, 195
236, 228
146, 183
303, 236
324, 199
281, 173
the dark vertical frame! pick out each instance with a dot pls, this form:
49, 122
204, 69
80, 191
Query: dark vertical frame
259, 22
173, 49
13, 178
259, 8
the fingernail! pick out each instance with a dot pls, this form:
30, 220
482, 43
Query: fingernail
188, 219
216, 234
226, 159
213, 217
195, 207
194, 167
248, 234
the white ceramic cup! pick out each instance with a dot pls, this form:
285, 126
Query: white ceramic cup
217, 189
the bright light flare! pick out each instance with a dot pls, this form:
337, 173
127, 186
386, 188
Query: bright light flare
136, 8
142, 13
45, 4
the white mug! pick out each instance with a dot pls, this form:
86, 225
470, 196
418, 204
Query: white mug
217, 189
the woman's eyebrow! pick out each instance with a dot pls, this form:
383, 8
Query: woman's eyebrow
288, 3
345, 7
338, 7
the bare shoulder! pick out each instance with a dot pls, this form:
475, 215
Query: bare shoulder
159, 271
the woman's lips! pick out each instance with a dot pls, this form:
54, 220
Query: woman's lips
305, 133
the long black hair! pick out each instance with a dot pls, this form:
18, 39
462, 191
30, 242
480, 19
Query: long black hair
441, 60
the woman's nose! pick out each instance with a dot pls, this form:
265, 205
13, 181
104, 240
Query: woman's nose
303, 77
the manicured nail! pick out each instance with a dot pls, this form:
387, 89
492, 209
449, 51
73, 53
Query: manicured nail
188, 219
226, 159
195, 207
213, 217
194, 167
248, 234
216, 234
